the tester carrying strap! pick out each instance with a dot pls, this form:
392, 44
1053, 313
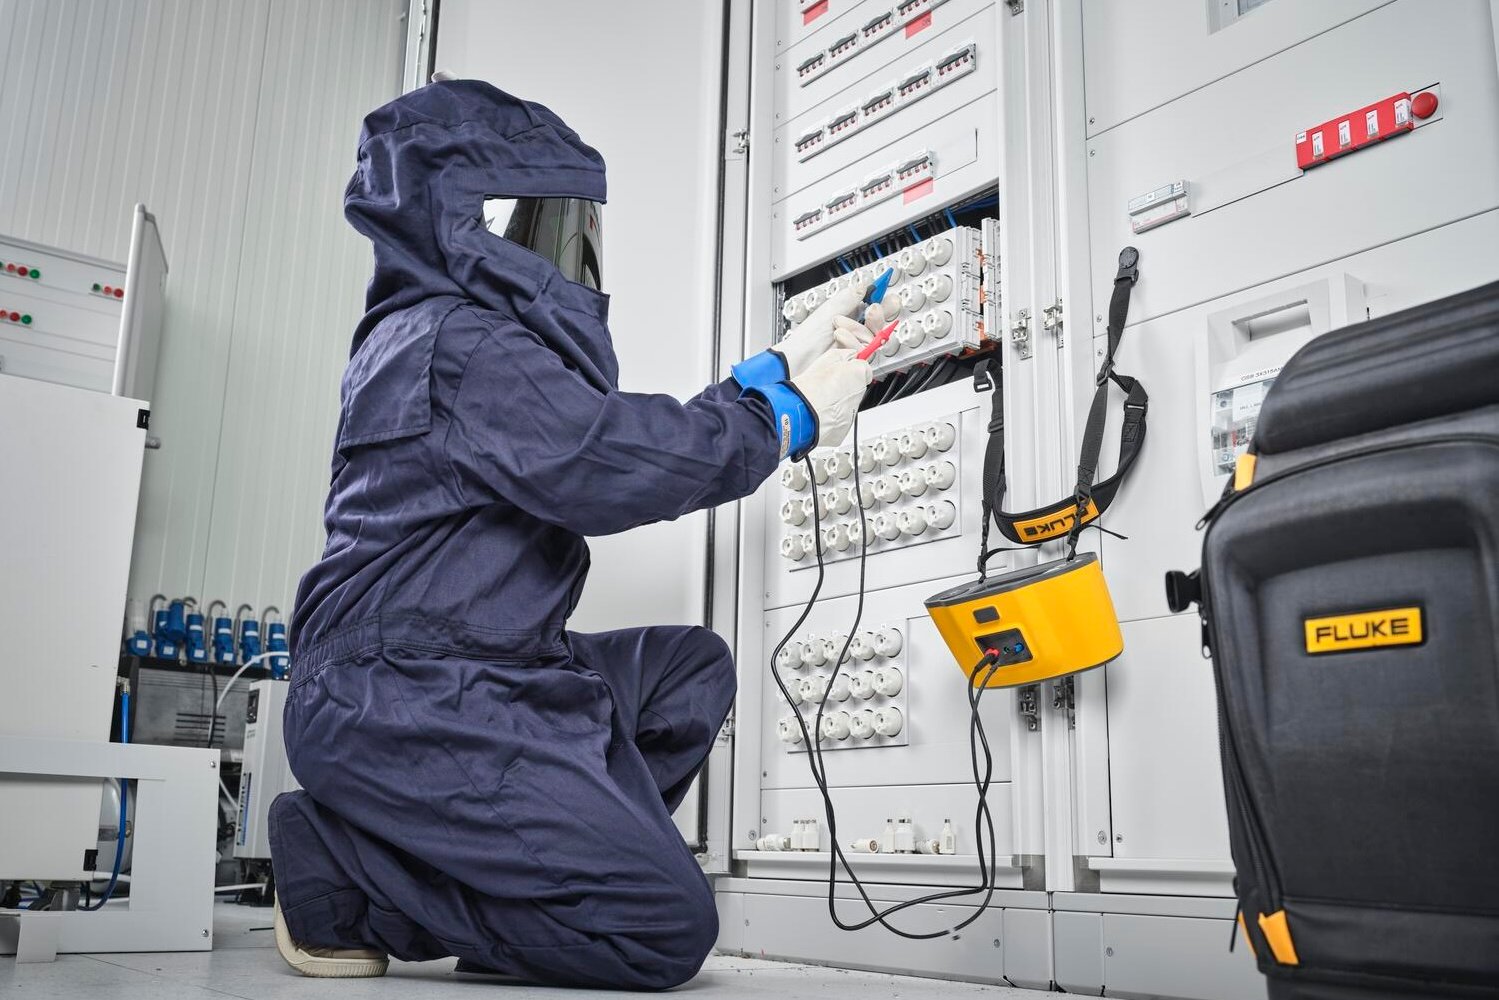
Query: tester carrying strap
1089, 500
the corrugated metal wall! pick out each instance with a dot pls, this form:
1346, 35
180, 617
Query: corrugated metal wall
235, 122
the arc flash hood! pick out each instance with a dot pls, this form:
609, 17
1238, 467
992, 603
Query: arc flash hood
428, 163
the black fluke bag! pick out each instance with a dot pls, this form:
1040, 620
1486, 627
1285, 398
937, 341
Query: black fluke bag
1349, 593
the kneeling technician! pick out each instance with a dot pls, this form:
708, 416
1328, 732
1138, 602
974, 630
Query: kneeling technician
478, 780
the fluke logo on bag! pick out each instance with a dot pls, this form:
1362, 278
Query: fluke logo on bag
1364, 630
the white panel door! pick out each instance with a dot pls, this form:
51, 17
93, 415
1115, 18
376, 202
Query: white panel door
643, 88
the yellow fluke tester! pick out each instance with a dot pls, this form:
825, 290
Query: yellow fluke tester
1044, 621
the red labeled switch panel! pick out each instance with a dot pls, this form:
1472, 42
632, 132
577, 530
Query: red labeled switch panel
1346, 133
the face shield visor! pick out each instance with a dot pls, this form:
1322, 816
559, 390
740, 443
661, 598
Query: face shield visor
569, 232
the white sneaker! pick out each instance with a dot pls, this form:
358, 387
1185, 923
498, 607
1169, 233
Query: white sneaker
328, 963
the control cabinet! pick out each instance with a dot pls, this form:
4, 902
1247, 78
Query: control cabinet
1036, 141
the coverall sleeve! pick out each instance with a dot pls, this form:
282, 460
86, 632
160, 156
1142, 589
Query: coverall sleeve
528, 429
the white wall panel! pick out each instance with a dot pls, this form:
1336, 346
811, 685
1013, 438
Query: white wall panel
235, 122
641, 85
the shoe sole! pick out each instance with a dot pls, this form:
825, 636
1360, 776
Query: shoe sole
315, 967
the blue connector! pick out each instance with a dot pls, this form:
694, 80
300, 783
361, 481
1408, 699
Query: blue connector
197, 638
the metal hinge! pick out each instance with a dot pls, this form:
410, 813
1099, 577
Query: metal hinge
726, 731
1027, 703
1016, 6
1051, 319
739, 142
1020, 333
1063, 697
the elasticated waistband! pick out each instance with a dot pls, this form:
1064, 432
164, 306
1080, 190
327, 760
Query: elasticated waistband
421, 634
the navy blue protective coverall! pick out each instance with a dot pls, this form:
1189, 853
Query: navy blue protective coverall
480, 781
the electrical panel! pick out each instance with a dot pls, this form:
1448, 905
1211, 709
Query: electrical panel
265, 773
883, 115
66, 318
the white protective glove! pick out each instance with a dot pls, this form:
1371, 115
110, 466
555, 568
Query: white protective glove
830, 325
833, 387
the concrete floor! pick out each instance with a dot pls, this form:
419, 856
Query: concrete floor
244, 964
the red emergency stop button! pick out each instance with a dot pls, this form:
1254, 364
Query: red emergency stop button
1424, 104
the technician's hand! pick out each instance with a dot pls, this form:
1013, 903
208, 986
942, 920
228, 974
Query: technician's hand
830, 324
833, 387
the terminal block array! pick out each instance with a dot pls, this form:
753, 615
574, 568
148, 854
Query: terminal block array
935, 291
863, 706
905, 495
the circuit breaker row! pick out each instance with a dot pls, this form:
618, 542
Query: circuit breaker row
863, 705
910, 85
904, 495
935, 292
880, 25
899, 176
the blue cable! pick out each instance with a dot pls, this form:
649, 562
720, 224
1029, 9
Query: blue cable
914, 234
114, 876
951, 222
843, 262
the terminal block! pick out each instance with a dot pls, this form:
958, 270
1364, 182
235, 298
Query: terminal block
876, 28
864, 705
910, 86
936, 291
906, 494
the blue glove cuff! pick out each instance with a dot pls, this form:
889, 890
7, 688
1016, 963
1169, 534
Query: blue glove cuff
760, 370
796, 423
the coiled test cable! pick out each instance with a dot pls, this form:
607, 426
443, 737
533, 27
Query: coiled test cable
977, 737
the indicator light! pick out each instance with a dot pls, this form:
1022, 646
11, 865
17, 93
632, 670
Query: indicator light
26, 319
97, 287
15, 317
35, 273
119, 293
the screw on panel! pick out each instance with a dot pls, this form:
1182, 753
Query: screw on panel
1103, 838
1118, 838
1016, 6
753, 834
996, 942
1092, 152
1109, 952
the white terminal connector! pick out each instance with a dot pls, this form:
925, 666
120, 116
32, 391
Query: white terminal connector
814, 654
812, 298
887, 488
891, 305
835, 726
861, 726
937, 323
887, 450
887, 840
887, 641
811, 835
865, 845
809, 543
939, 436
833, 646
949, 839
792, 512
892, 346
866, 494
886, 526
863, 645
940, 474
839, 689
888, 721
905, 836
795, 310
836, 501
773, 842
911, 261
866, 459
912, 443
913, 297
938, 287
912, 482
794, 477
815, 689
911, 333
793, 548
888, 681
819, 471
912, 522
937, 250
862, 686
788, 731
790, 656
793, 692
835, 537
941, 514
810, 506
928, 846
841, 464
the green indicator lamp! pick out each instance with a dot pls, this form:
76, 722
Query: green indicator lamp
26, 319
